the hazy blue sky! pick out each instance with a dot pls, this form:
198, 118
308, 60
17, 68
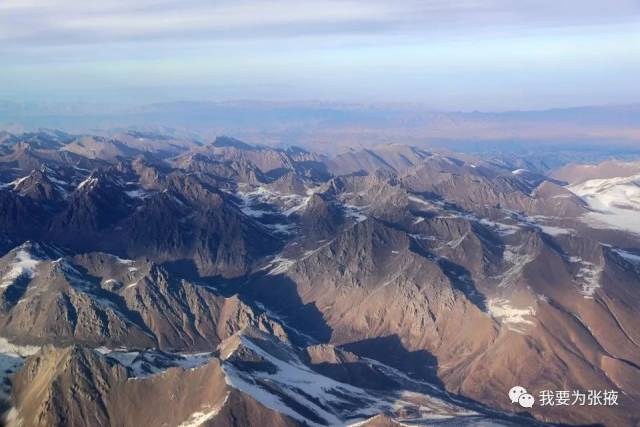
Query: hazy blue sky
466, 54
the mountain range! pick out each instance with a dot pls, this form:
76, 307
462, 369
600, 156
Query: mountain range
548, 137
151, 278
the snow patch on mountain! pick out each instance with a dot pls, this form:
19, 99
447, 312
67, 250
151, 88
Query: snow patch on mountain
614, 202
122, 260
262, 201
292, 388
18, 181
555, 231
142, 364
541, 223
24, 266
355, 212
271, 208
89, 182
198, 418
512, 317
499, 227
419, 201
280, 265
517, 258
137, 194
588, 278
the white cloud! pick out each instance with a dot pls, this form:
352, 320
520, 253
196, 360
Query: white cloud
448, 52
65, 22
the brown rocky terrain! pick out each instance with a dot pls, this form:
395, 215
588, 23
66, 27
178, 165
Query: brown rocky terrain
236, 283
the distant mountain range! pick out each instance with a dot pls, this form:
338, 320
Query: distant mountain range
591, 133
166, 279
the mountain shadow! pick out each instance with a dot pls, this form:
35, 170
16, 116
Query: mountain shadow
279, 294
389, 350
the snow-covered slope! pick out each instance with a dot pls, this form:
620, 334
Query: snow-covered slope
615, 202
273, 373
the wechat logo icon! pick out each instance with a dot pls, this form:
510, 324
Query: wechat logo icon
519, 395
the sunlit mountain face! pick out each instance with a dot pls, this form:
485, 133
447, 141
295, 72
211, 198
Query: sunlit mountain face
226, 283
